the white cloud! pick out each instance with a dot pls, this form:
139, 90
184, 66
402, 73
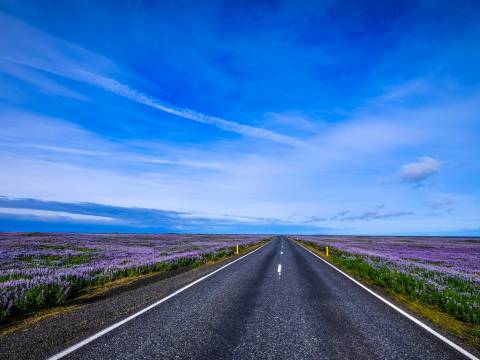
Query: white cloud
41, 136
50, 215
294, 121
420, 170
406, 90
378, 214
42, 52
132, 94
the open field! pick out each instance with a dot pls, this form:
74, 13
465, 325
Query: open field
433, 275
43, 269
277, 301
452, 256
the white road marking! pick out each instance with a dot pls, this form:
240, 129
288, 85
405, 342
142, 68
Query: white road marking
279, 270
131, 317
281, 252
404, 313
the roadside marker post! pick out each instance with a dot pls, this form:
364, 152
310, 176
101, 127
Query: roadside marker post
236, 252
326, 250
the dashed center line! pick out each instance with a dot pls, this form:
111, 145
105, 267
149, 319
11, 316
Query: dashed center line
279, 270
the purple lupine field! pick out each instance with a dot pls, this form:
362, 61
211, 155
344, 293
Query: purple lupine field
456, 256
41, 269
443, 272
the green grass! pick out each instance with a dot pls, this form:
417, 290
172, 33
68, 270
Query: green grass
455, 309
11, 277
43, 296
57, 260
455, 296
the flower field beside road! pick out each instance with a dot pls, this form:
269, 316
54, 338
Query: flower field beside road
442, 272
44, 269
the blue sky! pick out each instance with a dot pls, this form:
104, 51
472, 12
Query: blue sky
341, 117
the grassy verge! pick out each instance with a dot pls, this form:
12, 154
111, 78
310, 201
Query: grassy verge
39, 299
97, 291
453, 307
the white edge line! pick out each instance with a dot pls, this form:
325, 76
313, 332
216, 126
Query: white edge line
404, 313
131, 317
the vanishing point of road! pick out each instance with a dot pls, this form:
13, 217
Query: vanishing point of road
280, 302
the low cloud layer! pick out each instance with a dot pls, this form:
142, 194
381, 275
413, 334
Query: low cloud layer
420, 170
63, 216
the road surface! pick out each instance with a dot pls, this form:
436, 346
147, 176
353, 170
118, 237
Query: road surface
280, 302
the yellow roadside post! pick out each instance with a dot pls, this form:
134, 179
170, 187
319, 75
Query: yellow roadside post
326, 250
236, 252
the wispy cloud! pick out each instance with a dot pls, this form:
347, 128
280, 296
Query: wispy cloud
420, 170
42, 53
148, 100
346, 215
378, 213
50, 215
314, 219
59, 149
47, 136
442, 205
39, 80
404, 91
257, 219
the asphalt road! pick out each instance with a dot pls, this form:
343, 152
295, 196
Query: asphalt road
257, 309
